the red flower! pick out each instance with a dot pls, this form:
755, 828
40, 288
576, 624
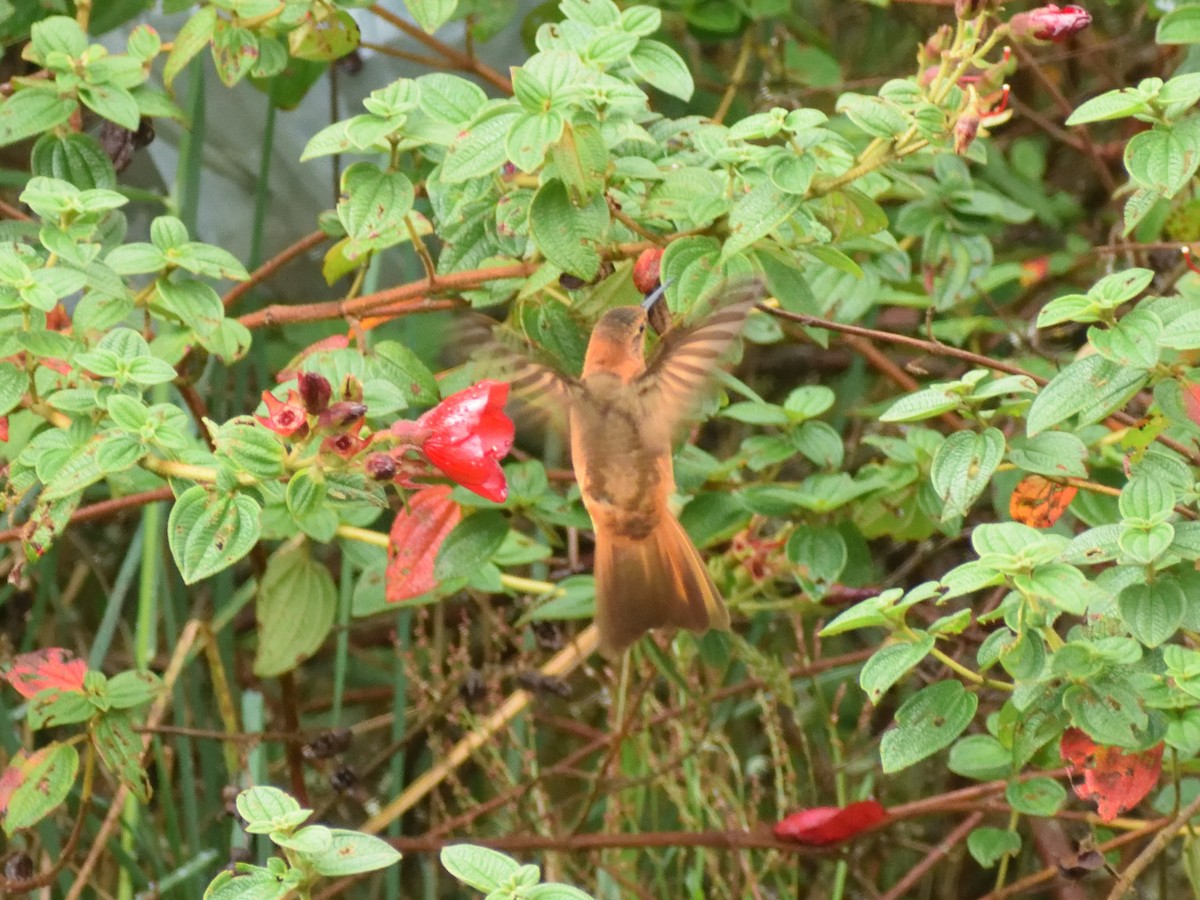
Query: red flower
285, 418
466, 434
830, 824
4, 428
1050, 23
346, 445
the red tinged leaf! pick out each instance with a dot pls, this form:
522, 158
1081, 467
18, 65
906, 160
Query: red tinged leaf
415, 539
830, 824
42, 669
35, 784
1114, 779
1040, 502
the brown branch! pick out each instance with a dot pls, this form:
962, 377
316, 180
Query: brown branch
463, 61
936, 854
101, 510
1153, 850
278, 314
11, 212
761, 839
273, 265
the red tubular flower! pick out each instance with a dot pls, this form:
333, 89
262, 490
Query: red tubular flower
466, 434
1050, 23
345, 445
285, 418
830, 824
4, 428
646, 268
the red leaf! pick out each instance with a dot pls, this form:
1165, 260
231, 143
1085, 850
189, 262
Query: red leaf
413, 544
830, 824
49, 668
1114, 779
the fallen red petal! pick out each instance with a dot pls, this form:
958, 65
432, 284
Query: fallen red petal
830, 824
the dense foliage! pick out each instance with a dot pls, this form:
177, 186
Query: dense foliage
258, 542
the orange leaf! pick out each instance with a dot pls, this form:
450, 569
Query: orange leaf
830, 824
53, 667
1040, 502
1114, 779
413, 544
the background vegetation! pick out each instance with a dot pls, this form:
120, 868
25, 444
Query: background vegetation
949, 490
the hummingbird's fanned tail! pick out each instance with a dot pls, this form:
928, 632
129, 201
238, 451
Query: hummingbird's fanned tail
655, 582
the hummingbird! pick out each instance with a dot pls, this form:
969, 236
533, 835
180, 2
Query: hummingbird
623, 414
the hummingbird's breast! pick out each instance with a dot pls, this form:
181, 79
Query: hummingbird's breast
622, 457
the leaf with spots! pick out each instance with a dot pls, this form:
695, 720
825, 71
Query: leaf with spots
1115, 780
35, 784
52, 667
415, 539
209, 532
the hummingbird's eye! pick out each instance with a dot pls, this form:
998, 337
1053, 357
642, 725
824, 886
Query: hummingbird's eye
642, 328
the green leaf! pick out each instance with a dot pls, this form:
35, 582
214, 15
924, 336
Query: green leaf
1091, 387
1109, 712
373, 208
981, 757
875, 116
250, 447
75, 157
1179, 26
1152, 612
120, 750
890, 663
1133, 341
129, 689
663, 68
755, 215
41, 782
963, 466
927, 722
470, 544
1164, 160
530, 136
478, 867
714, 516
568, 234
308, 841
989, 845
482, 149
1110, 105
14, 382
1036, 797
431, 14
210, 532
113, 103
1052, 453
54, 707
267, 809
820, 553
1146, 498
295, 608
922, 405
351, 853
30, 112
234, 51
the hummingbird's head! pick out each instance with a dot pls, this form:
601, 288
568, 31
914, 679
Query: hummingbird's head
618, 343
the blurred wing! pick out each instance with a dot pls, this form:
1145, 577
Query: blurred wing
496, 352
686, 358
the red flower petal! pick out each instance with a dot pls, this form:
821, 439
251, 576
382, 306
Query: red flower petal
414, 541
1114, 779
830, 824
466, 434
4, 428
53, 667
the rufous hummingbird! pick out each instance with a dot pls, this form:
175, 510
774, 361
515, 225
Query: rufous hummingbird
622, 416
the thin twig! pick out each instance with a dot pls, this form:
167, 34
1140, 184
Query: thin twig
463, 61
273, 265
1153, 850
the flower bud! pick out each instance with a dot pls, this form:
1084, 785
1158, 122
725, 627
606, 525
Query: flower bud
965, 130
380, 467
315, 391
341, 414
1049, 23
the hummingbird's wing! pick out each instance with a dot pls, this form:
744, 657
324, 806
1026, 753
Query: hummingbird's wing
497, 352
675, 379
